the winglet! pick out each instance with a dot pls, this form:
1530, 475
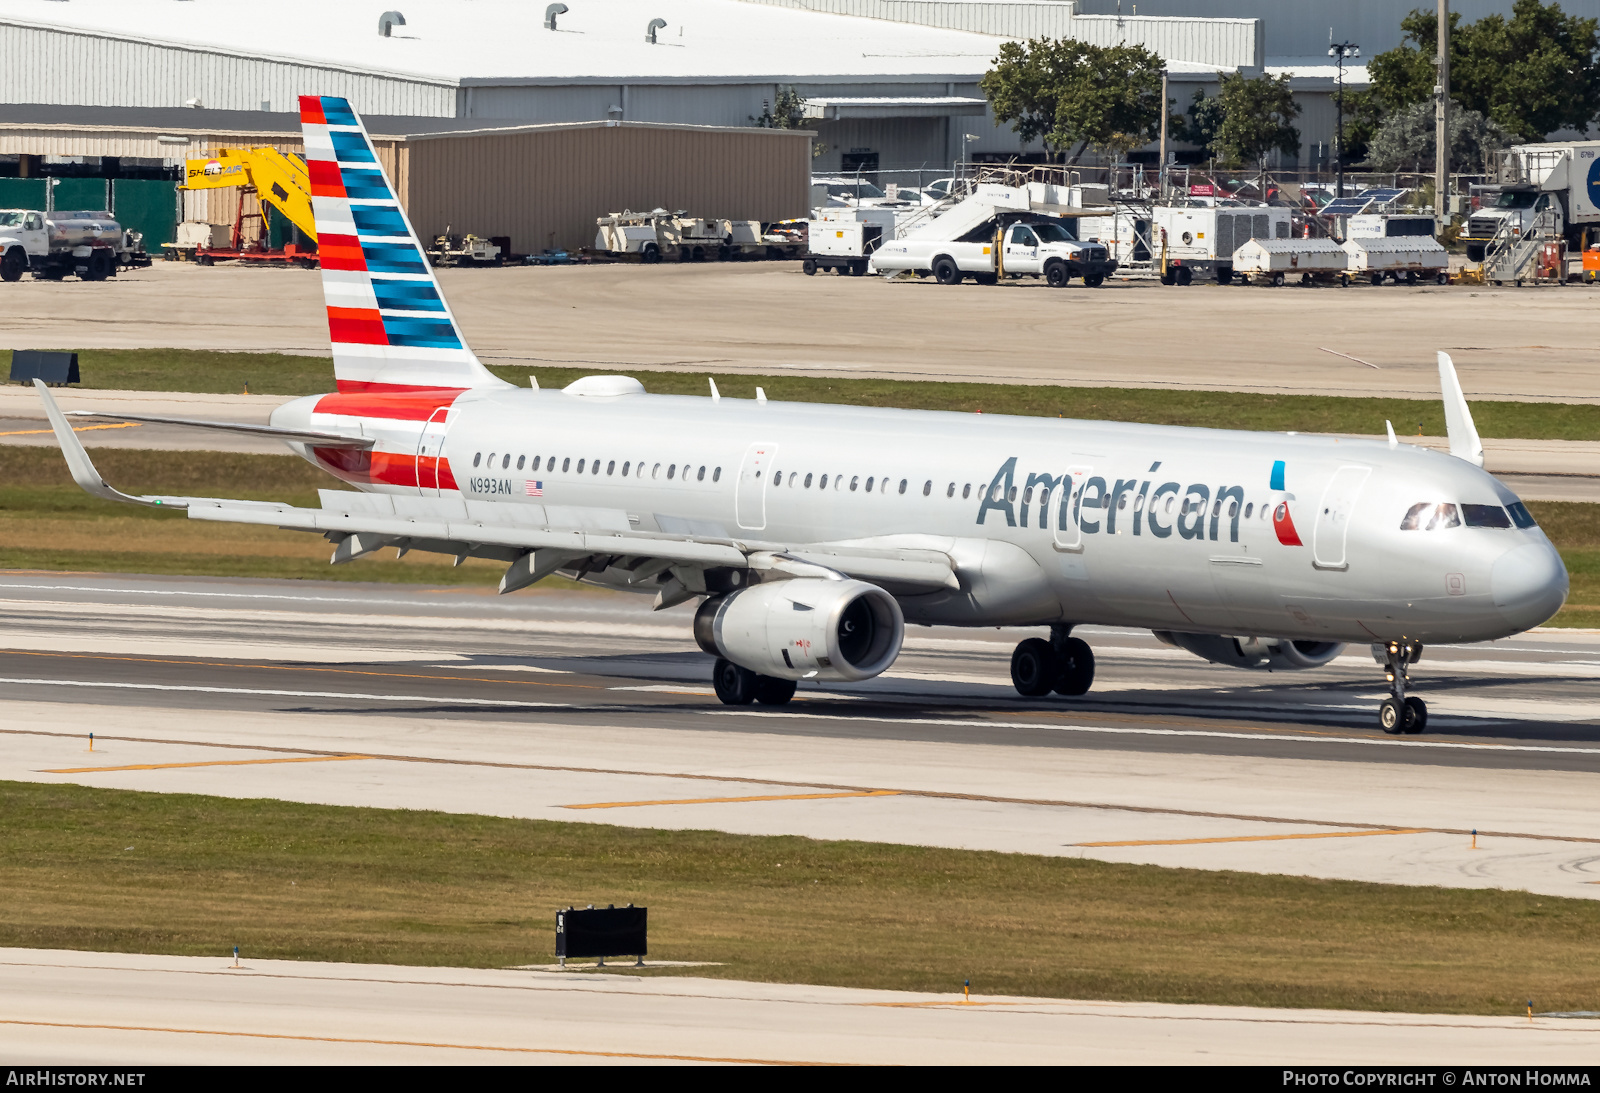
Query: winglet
78, 462
1464, 442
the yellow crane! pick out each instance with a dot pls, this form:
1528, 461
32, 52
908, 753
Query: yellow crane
279, 180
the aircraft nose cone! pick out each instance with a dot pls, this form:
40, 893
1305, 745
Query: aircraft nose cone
1528, 584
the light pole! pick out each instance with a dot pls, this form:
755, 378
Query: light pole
1342, 51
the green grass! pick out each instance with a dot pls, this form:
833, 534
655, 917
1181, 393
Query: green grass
172, 873
282, 374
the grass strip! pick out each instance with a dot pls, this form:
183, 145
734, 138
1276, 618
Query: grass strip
48, 523
183, 874
285, 374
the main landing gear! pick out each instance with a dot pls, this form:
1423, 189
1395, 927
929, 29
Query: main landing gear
1399, 713
1063, 664
739, 686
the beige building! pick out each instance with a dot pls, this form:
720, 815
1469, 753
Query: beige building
540, 185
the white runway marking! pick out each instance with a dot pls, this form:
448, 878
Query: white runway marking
275, 693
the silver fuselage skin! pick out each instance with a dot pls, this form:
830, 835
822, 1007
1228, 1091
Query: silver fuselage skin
1165, 527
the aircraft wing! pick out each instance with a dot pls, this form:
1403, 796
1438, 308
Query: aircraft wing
271, 432
534, 540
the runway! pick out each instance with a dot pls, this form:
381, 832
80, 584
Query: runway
128, 1011
587, 707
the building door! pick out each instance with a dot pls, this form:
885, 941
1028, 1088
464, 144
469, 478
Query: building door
1333, 517
750, 494
430, 451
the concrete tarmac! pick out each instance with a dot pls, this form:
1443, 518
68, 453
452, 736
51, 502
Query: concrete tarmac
589, 708
1509, 343
128, 1011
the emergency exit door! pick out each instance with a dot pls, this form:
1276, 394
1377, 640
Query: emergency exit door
750, 494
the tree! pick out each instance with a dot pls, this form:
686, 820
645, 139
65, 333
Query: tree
1066, 92
1406, 139
1532, 74
1256, 117
1199, 125
788, 112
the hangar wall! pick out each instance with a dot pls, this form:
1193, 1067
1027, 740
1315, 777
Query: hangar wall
544, 186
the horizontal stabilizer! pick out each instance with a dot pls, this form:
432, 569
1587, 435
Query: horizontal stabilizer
269, 432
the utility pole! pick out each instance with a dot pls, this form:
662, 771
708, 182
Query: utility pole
1342, 51
1161, 168
1441, 121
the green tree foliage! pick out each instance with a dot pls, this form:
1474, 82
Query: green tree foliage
1066, 92
788, 112
1406, 139
1364, 114
1200, 124
1257, 117
1532, 74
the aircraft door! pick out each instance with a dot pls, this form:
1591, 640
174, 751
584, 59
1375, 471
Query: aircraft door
1064, 514
1333, 517
430, 450
750, 494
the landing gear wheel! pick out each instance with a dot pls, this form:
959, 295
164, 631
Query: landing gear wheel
735, 685
1055, 275
1391, 716
1074, 667
1417, 721
772, 691
1033, 668
946, 272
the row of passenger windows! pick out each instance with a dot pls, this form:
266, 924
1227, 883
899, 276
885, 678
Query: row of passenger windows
592, 466
1434, 515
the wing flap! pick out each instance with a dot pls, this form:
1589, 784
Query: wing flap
270, 432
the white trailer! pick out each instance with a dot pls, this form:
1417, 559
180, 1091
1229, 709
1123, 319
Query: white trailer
1552, 189
1399, 259
1001, 231
1275, 261
844, 239
1193, 242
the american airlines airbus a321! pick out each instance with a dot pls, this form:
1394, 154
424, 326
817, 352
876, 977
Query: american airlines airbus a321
814, 534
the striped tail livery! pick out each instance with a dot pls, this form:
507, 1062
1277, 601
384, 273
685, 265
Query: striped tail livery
391, 329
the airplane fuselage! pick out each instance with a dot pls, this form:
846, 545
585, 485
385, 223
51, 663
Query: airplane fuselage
1046, 520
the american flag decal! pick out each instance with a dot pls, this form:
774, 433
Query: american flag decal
535, 489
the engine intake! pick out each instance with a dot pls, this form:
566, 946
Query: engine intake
1269, 654
804, 628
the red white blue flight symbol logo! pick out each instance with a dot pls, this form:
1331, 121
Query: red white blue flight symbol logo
1282, 522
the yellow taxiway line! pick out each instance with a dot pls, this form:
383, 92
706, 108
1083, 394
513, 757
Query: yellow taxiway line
1266, 838
75, 428
738, 800
211, 763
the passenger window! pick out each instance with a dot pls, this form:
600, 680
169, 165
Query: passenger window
1521, 516
966, 491
701, 477
777, 478
855, 480
490, 464
1027, 496
521, 459
655, 472
1485, 516
505, 464
716, 475
565, 464
580, 465
808, 481
672, 469
902, 485
927, 487
1248, 509
611, 467
477, 458
951, 492
594, 466
869, 483
1233, 509
625, 467
822, 482
535, 462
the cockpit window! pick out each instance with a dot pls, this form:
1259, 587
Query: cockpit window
1521, 516
1430, 516
1485, 516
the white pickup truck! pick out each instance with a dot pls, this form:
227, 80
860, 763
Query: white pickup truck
1000, 231
52, 245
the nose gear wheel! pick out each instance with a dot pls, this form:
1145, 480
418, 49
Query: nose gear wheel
1401, 713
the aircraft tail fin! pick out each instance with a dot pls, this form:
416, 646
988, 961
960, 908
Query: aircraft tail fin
1464, 442
387, 318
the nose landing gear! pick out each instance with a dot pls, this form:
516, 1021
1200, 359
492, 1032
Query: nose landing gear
1064, 664
1400, 713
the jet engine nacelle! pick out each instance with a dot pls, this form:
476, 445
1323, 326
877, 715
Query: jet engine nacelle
805, 628
1271, 654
